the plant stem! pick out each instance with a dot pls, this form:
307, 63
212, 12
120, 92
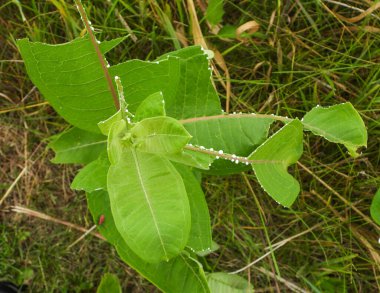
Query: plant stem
230, 157
86, 22
242, 115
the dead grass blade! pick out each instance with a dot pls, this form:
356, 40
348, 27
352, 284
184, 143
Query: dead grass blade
358, 17
9, 190
249, 27
36, 214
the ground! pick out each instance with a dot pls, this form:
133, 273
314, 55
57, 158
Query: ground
304, 53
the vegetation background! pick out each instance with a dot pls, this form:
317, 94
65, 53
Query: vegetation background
303, 53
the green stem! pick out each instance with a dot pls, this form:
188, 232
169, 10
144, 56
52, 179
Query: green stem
242, 115
230, 157
86, 22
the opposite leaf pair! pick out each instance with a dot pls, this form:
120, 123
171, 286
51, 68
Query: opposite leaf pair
148, 198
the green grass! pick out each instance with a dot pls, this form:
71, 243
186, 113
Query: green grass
302, 57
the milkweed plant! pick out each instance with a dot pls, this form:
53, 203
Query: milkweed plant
144, 129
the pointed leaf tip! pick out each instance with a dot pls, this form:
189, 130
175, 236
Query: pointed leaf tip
109, 284
152, 106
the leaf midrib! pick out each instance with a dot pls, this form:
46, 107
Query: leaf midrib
328, 135
148, 201
83, 146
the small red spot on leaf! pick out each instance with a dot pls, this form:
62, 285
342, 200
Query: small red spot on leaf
101, 220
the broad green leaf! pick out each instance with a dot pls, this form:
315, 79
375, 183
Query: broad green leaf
375, 207
227, 283
180, 274
115, 144
152, 106
234, 135
214, 12
93, 176
107, 46
71, 78
149, 204
200, 234
184, 82
106, 125
192, 159
77, 146
340, 124
109, 284
159, 135
274, 156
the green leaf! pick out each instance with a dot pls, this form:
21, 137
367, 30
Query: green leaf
149, 204
109, 284
214, 12
106, 125
227, 283
71, 78
107, 46
115, 144
214, 247
228, 31
274, 156
200, 239
184, 273
375, 207
234, 135
184, 82
192, 159
93, 176
184, 53
77, 146
152, 106
340, 124
159, 135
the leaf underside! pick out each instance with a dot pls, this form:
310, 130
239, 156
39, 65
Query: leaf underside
180, 274
159, 135
274, 156
149, 205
